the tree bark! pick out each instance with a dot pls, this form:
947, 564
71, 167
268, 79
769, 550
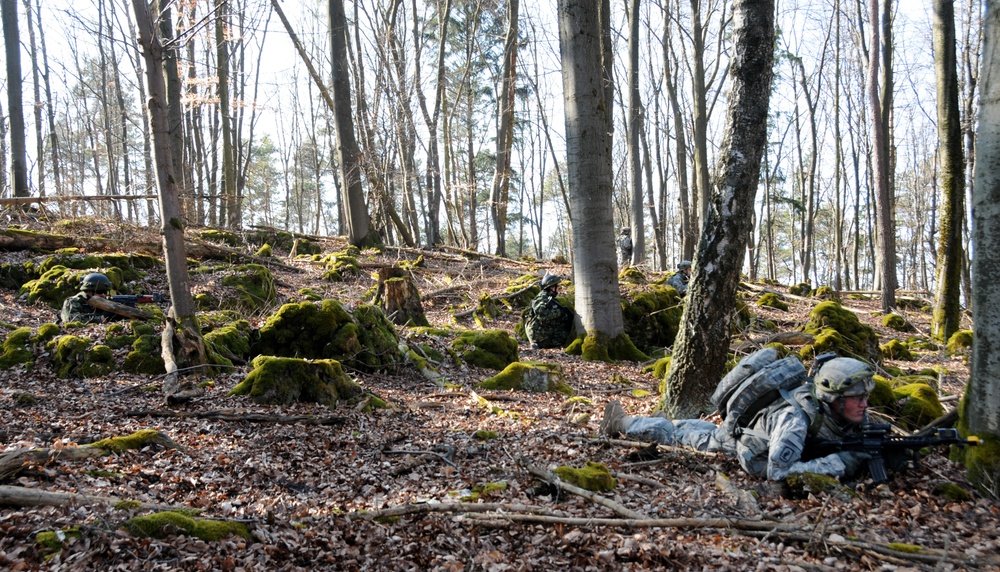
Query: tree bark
500, 191
637, 226
15, 104
982, 396
700, 350
588, 150
880, 165
947, 304
181, 335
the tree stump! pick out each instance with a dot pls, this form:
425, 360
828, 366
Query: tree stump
399, 297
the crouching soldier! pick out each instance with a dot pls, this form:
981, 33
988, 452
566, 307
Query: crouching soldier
76, 309
548, 322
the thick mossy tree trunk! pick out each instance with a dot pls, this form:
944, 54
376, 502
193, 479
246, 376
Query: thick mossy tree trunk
701, 347
182, 346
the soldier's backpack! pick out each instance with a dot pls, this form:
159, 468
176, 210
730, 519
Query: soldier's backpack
756, 382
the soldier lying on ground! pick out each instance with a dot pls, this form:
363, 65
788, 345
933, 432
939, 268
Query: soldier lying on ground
76, 309
832, 406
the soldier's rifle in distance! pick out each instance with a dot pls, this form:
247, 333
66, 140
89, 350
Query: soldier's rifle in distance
877, 441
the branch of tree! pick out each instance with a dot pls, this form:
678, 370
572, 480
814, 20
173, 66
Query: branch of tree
231, 416
551, 478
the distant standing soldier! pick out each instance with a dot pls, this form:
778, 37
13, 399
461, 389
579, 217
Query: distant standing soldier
548, 321
76, 308
680, 278
625, 247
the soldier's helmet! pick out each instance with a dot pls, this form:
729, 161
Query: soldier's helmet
625, 230
843, 377
683, 264
550, 280
95, 282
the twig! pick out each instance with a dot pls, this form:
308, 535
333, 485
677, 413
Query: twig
438, 455
456, 507
231, 416
555, 480
719, 522
638, 479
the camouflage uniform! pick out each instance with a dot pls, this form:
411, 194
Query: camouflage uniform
548, 322
76, 309
624, 248
679, 281
772, 446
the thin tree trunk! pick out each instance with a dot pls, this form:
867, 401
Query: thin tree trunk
15, 105
880, 159
638, 226
37, 93
53, 135
500, 191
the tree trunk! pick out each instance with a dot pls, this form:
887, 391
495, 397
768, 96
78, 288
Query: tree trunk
500, 192
700, 350
982, 396
227, 202
702, 180
183, 346
880, 164
634, 150
947, 304
37, 96
588, 150
15, 105
53, 136
359, 231
399, 297
688, 230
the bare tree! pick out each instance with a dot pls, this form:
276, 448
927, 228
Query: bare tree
500, 192
701, 347
15, 105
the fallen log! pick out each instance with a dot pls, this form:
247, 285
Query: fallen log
22, 497
12, 463
231, 416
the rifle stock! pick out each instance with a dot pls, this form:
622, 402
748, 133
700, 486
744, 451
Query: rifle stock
876, 440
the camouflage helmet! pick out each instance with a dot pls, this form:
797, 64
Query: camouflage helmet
683, 264
550, 280
626, 230
843, 377
95, 282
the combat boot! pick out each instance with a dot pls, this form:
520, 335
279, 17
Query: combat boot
615, 421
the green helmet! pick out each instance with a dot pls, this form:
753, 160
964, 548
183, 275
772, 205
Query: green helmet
95, 282
550, 280
843, 377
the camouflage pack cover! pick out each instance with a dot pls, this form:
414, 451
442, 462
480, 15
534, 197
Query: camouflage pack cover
743, 399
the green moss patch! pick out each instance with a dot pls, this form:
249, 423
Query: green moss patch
772, 300
492, 349
164, 524
801, 289
895, 349
917, 405
284, 380
328, 331
592, 477
896, 322
838, 329
652, 318
959, 342
254, 286
631, 275
15, 349
229, 344
146, 357
537, 377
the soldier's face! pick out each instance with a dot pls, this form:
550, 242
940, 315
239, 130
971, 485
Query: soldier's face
853, 408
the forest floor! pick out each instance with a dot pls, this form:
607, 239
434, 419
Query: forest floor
321, 497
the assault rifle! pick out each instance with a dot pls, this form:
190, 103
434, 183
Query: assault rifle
133, 299
876, 441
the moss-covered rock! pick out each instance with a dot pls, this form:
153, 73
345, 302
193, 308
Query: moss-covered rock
97, 361
67, 353
597, 346
826, 293
838, 329
264, 251
229, 344
58, 283
341, 264
652, 318
537, 377
521, 291
592, 477
284, 380
959, 342
895, 349
15, 349
164, 524
882, 398
51, 541
952, 492
800, 289
492, 349
631, 275
772, 300
328, 331
917, 405
896, 322
922, 343
226, 237
254, 286
146, 357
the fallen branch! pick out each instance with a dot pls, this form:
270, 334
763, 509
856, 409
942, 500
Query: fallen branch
646, 522
456, 507
432, 453
593, 497
230, 416
224, 252
22, 497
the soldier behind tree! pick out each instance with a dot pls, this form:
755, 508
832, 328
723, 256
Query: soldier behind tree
76, 309
680, 278
548, 322
624, 247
